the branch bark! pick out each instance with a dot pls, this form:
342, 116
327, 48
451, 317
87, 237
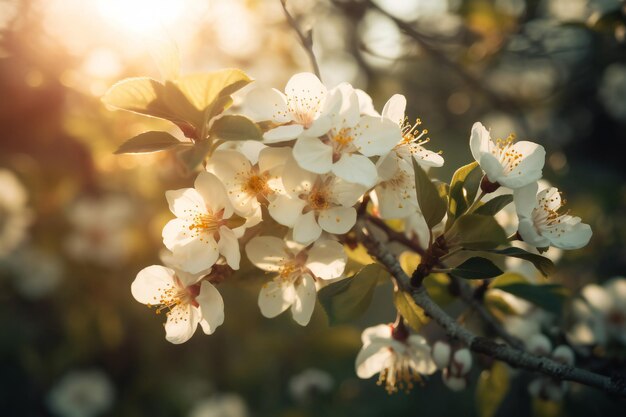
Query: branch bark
306, 39
513, 356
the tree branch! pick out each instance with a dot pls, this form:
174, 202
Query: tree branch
305, 39
514, 357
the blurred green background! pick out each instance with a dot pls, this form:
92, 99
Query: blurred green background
552, 71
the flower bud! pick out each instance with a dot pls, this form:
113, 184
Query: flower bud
539, 345
461, 362
563, 354
441, 354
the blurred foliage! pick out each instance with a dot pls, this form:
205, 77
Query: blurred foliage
552, 71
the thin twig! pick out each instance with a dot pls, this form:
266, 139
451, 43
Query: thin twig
305, 39
514, 357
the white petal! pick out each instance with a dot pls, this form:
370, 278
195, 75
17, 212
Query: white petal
306, 228
197, 254
313, 155
379, 333
492, 167
282, 133
181, 323
176, 233
303, 305
211, 307
550, 197
598, 297
346, 193
327, 259
479, 141
530, 168
149, 283
306, 86
267, 104
525, 200
338, 220
275, 297
371, 359
286, 210
376, 136
394, 109
229, 247
366, 105
349, 112
575, 237
357, 169
319, 126
213, 193
266, 252
271, 158
185, 203
295, 179
424, 157
529, 234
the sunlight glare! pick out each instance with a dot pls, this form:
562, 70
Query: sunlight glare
141, 16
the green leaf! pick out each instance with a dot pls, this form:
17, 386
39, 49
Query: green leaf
196, 155
492, 387
543, 264
412, 313
476, 268
432, 206
139, 95
347, 299
152, 141
181, 106
549, 297
473, 231
463, 188
494, 205
236, 127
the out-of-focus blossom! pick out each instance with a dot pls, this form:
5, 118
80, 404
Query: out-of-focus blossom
599, 315
35, 272
100, 230
454, 365
15, 216
305, 386
185, 298
544, 387
81, 394
540, 223
298, 270
504, 161
613, 91
220, 405
399, 358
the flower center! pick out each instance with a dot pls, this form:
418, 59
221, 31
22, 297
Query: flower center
318, 200
411, 132
207, 222
398, 374
173, 296
509, 157
256, 184
304, 110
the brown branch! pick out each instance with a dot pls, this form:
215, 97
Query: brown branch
306, 39
514, 357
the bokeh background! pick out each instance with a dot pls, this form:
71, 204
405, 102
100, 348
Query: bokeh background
77, 222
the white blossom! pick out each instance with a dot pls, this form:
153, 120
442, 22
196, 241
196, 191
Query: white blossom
205, 226
311, 382
220, 405
15, 216
297, 270
399, 361
86, 393
186, 299
542, 225
504, 161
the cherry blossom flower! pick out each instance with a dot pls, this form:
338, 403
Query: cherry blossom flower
15, 216
395, 192
87, 393
298, 269
302, 109
309, 384
351, 139
504, 161
455, 366
542, 225
313, 203
186, 299
399, 358
599, 316
544, 387
205, 226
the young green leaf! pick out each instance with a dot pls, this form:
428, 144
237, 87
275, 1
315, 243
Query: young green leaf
543, 264
494, 205
493, 386
152, 141
412, 313
236, 127
473, 231
347, 299
194, 156
549, 297
139, 95
433, 207
476, 268
463, 187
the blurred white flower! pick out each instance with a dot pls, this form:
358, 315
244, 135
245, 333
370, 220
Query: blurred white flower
220, 405
540, 223
15, 216
504, 161
100, 230
599, 316
35, 272
81, 394
549, 388
613, 91
399, 358
305, 386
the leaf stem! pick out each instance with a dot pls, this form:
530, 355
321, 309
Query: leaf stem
305, 39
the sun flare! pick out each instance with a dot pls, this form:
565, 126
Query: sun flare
141, 16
